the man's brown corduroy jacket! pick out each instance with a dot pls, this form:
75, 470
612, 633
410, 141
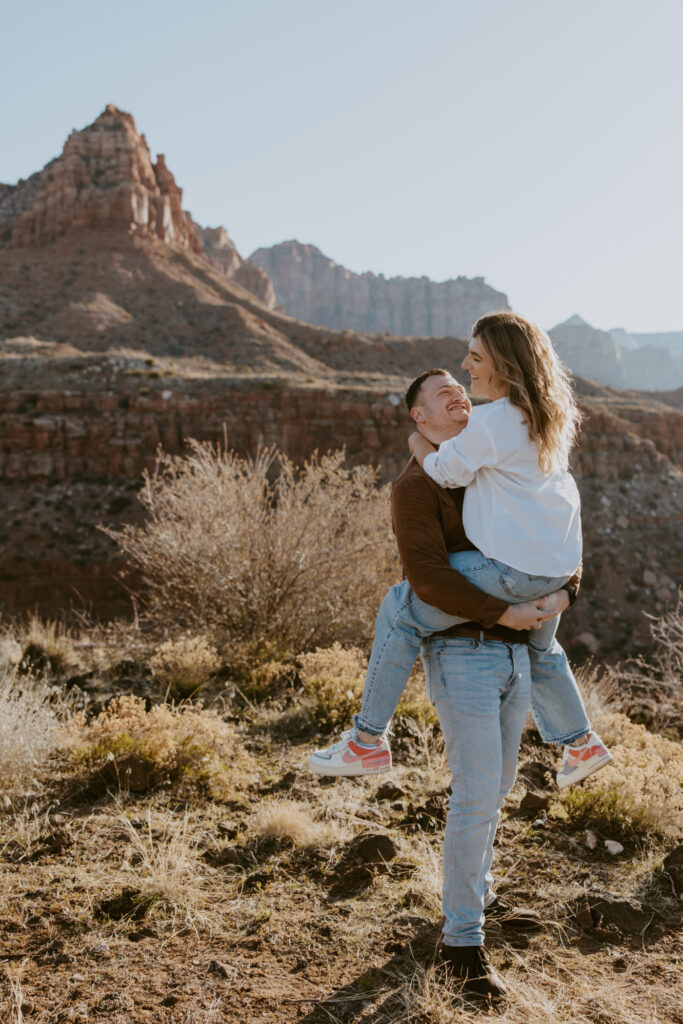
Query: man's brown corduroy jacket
427, 521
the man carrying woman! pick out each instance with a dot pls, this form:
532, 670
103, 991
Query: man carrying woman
469, 608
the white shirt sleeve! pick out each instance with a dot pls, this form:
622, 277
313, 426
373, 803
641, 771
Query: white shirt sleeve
457, 460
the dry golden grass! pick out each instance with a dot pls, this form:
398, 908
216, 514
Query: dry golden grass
185, 665
29, 731
333, 677
292, 820
234, 550
638, 795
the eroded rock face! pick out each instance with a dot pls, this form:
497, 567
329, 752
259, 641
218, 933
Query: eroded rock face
589, 352
218, 247
312, 287
103, 180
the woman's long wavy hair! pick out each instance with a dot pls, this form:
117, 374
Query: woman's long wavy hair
538, 383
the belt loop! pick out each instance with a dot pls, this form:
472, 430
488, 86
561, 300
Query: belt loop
481, 635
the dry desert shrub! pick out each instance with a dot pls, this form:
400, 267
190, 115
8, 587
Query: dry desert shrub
638, 795
291, 820
333, 677
38, 648
128, 747
184, 666
29, 731
259, 549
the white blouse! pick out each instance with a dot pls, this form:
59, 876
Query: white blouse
513, 511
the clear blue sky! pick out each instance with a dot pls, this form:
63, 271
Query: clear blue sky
538, 143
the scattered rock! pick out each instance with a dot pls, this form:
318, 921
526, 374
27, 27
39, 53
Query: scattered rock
535, 774
613, 847
390, 791
229, 855
222, 970
374, 848
590, 839
628, 917
114, 1001
427, 817
533, 802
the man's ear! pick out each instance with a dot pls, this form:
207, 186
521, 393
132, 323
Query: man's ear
417, 414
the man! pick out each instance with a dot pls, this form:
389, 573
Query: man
477, 676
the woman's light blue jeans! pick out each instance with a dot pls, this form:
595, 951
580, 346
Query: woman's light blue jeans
480, 690
404, 621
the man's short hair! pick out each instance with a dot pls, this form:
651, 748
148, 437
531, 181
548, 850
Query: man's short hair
414, 389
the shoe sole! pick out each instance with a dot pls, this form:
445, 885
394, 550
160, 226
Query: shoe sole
582, 772
346, 771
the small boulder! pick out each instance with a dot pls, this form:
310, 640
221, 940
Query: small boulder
532, 802
373, 848
628, 917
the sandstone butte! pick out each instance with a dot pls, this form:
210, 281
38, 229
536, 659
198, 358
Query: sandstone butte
124, 326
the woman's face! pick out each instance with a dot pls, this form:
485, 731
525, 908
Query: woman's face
484, 380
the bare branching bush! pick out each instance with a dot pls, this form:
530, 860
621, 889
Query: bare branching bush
185, 665
29, 731
128, 747
667, 631
333, 677
640, 794
258, 549
293, 821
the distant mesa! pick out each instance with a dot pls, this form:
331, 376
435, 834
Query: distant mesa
647, 362
312, 287
105, 180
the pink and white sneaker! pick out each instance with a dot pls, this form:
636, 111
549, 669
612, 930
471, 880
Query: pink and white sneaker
348, 757
580, 762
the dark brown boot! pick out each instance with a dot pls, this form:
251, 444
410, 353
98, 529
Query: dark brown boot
472, 966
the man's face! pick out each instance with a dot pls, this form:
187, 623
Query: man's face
442, 408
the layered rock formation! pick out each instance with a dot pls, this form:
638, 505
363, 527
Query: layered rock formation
312, 287
218, 247
103, 180
118, 334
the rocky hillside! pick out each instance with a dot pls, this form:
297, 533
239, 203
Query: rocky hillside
105, 181
114, 341
312, 287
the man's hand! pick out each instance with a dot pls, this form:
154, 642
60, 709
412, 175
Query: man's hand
420, 446
532, 614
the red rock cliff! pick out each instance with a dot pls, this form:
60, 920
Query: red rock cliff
103, 180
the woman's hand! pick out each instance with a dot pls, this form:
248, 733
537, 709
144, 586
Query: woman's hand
529, 615
420, 446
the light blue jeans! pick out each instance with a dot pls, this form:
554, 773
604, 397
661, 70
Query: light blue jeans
404, 621
480, 690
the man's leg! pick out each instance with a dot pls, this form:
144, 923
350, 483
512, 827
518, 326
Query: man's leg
480, 691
